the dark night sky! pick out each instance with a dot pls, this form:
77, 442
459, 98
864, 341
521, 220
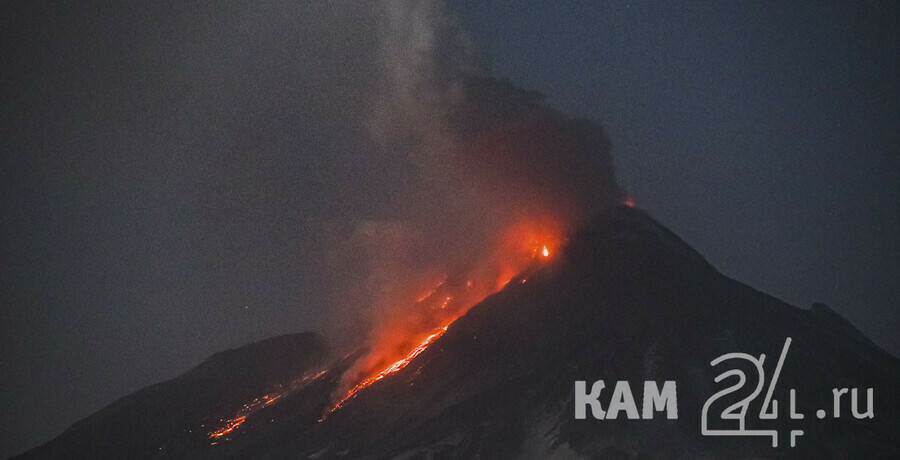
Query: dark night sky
168, 170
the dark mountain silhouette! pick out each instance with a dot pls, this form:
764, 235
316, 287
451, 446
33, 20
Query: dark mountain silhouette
625, 300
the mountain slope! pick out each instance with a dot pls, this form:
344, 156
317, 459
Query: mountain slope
626, 300
181, 410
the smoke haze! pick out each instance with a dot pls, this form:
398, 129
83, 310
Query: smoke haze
483, 156
183, 179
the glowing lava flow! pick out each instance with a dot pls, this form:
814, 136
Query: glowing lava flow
258, 403
398, 341
230, 426
393, 368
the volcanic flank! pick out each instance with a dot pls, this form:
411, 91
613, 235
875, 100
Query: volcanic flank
513, 265
625, 299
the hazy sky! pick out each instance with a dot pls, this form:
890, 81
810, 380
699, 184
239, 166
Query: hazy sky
167, 170
766, 135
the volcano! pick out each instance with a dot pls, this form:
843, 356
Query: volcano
623, 300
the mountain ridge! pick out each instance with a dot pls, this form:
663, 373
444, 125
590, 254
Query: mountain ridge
626, 299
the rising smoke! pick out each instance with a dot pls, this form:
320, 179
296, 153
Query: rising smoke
486, 156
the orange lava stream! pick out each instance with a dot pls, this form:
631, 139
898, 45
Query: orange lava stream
521, 247
393, 368
258, 403
228, 428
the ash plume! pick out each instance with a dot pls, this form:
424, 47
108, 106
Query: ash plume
482, 155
